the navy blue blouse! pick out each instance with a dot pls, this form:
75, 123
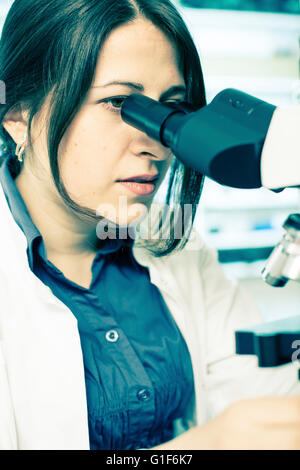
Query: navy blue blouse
138, 371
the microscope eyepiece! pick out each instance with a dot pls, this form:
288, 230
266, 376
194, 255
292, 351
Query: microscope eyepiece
148, 115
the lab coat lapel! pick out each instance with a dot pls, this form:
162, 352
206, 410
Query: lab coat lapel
42, 351
160, 277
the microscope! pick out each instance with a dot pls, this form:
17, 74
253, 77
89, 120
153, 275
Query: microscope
239, 141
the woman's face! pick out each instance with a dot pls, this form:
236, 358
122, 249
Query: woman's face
98, 147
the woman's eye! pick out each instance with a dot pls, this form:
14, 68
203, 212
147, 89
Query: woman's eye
115, 104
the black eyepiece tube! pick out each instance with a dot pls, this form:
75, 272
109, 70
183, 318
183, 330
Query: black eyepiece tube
146, 114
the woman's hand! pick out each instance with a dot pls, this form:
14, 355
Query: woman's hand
271, 423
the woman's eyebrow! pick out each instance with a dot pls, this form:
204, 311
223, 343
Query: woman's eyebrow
138, 86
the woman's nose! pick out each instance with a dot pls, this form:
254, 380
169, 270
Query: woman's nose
144, 146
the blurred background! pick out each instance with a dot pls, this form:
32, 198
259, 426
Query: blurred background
251, 45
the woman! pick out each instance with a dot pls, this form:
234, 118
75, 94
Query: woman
107, 342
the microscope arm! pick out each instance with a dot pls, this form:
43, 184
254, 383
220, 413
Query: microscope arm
280, 160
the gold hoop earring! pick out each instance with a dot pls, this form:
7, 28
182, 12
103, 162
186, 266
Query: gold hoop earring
20, 150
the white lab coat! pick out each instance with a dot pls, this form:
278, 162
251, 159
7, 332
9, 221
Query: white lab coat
42, 386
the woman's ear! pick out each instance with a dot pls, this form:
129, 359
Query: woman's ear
15, 123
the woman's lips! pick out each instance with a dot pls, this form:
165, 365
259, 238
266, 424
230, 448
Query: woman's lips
139, 188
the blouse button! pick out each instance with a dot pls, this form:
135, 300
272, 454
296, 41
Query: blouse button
112, 336
143, 394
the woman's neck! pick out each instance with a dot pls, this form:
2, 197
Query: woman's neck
64, 235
